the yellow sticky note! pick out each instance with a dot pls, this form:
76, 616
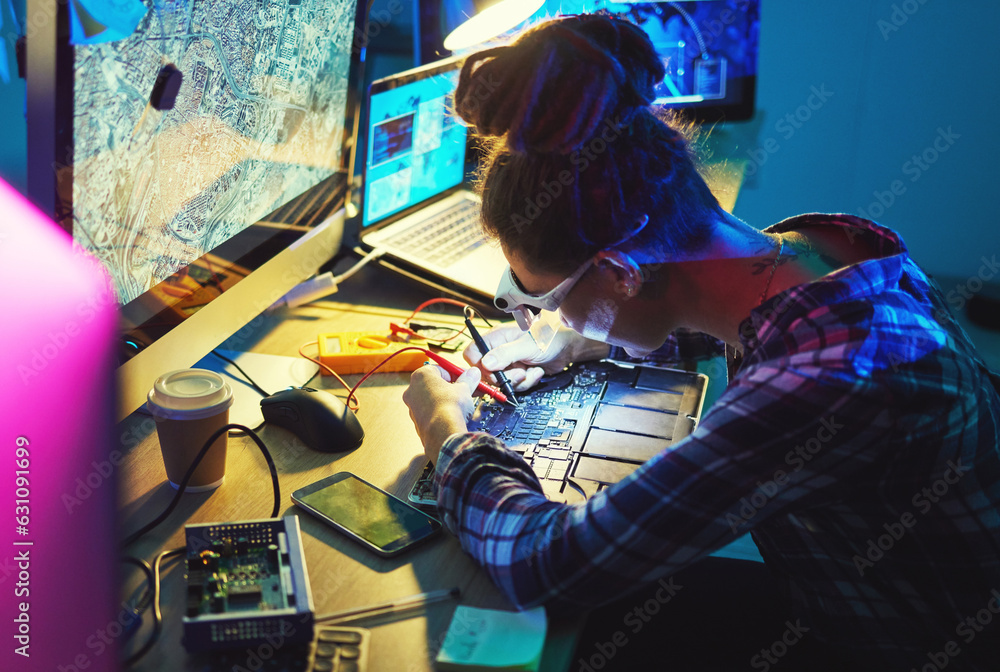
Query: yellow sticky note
488, 639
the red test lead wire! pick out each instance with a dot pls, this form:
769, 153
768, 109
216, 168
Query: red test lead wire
456, 370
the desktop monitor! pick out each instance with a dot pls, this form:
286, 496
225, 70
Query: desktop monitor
709, 50
203, 158
708, 47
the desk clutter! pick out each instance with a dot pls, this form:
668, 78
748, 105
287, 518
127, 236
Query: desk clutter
246, 601
331, 649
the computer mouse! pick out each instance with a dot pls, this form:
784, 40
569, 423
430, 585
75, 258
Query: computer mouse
321, 421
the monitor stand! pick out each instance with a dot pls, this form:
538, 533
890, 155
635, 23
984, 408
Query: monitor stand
272, 372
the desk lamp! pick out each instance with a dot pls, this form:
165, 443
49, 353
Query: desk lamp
495, 20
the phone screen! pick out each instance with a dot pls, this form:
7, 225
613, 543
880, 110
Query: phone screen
373, 515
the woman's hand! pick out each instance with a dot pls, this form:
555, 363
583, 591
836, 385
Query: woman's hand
439, 408
516, 353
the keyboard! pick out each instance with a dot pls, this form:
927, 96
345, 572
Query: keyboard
445, 238
589, 426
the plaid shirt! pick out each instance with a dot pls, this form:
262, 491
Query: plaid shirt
857, 442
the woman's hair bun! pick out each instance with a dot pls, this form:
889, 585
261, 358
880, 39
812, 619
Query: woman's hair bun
552, 89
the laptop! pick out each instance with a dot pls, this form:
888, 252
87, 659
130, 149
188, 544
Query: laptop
415, 205
589, 426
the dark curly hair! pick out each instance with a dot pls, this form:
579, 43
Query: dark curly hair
574, 154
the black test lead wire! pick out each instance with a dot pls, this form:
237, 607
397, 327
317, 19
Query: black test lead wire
502, 382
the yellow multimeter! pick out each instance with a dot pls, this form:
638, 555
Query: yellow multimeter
360, 352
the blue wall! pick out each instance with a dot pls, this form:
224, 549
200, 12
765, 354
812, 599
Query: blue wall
898, 79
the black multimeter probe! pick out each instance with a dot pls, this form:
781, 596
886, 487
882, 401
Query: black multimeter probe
502, 381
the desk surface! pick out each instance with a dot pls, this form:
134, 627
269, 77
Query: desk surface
342, 574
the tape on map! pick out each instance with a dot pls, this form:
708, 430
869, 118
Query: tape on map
98, 21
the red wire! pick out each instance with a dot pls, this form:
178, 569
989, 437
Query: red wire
452, 302
429, 302
332, 373
376, 368
350, 395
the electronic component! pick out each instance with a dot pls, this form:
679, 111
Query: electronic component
360, 352
332, 649
339, 649
589, 426
246, 585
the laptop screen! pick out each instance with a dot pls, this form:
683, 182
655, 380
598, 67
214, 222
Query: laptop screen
415, 146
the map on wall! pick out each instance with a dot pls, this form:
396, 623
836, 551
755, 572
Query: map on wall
257, 120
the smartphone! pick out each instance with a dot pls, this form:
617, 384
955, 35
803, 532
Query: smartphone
371, 516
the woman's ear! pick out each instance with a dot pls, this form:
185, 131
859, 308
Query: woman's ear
629, 274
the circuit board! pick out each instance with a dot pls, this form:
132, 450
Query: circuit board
246, 584
234, 576
589, 426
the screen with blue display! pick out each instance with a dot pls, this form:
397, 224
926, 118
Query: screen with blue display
709, 50
416, 148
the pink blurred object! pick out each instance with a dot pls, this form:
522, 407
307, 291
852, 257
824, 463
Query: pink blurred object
59, 603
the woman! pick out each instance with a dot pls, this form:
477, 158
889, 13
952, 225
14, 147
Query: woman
857, 405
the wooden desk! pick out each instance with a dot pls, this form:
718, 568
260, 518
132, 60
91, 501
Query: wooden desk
342, 574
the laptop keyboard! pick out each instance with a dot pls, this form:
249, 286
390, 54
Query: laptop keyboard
446, 238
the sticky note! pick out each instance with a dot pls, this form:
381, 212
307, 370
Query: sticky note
480, 640
98, 21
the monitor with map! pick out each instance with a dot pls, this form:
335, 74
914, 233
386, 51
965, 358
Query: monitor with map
203, 159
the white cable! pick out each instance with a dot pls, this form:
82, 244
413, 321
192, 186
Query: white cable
321, 285
371, 256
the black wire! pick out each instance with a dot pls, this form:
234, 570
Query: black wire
144, 566
250, 380
197, 460
157, 614
418, 327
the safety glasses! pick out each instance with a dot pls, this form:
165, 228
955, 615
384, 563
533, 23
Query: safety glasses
512, 298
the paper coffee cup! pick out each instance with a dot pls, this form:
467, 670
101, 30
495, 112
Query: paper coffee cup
188, 406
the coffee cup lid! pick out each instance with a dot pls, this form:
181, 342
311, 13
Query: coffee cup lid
190, 393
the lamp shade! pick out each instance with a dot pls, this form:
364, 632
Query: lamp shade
492, 21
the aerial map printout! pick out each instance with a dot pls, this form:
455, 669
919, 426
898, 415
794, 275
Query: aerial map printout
257, 120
